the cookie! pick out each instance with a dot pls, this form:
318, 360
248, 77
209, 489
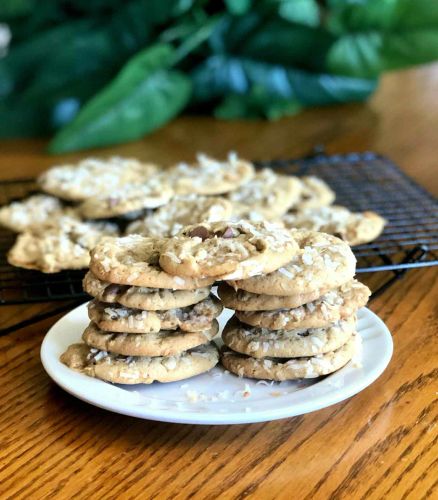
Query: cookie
245, 212
323, 262
261, 342
133, 260
117, 318
140, 369
35, 211
228, 250
268, 193
246, 301
53, 249
149, 299
155, 299
290, 369
314, 193
102, 290
180, 212
209, 176
355, 228
331, 307
128, 198
93, 177
162, 343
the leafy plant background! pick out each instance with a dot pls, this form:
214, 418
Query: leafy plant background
100, 72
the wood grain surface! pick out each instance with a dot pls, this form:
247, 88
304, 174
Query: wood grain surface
379, 444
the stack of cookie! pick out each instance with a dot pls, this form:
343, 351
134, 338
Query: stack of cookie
153, 317
299, 321
146, 325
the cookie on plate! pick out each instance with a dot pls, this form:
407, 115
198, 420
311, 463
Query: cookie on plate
117, 318
209, 176
162, 343
261, 342
133, 260
180, 212
228, 250
32, 212
102, 290
140, 369
268, 193
149, 299
93, 176
290, 369
323, 262
314, 193
128, 198
53, 249
333, 306
355, 228
242, 300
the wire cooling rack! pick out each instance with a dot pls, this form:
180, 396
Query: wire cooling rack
362, 181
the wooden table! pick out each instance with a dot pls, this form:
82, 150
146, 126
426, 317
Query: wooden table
378, 444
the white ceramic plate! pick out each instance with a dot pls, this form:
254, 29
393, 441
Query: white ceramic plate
218, 397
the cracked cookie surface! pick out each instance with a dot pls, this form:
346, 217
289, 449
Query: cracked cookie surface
323, 262
228, 250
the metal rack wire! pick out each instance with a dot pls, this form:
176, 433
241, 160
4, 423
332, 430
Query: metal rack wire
362, 181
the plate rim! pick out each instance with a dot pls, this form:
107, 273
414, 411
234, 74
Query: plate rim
330, 397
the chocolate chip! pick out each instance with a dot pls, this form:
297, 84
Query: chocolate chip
228, 233
200, 232
339, 235
113, 289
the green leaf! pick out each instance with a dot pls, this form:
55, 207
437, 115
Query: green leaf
238, 7
10, 9
271, 39
195, 38
300, 11
24, 60
383, 35
18, 120
144, 96
83, 59
357, 55
257, 103
383, 15
100, 52
220, 75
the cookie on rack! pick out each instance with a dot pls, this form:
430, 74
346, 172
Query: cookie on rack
149, 299
118, 318
181, 211
279, 369
120, 369
134, 260
210, 176
161, 343
268, 193
322, 263
314, 193
128, 198
53, 249
355, 228
333, 306
228, 250
261, 342
93, 177
33, 212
